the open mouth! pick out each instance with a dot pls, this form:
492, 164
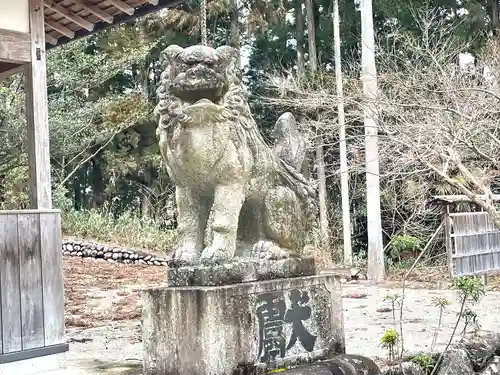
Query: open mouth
202, 104
203, 101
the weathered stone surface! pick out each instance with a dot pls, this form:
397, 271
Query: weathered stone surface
230, 185
456, 362
241, 327
493, 368
481, 348
406, 368
355, 364
338, 366
315, 369
241, 270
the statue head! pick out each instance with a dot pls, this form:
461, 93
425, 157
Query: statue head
285, 126
199, 72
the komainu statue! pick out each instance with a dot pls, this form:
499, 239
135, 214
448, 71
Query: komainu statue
256, 197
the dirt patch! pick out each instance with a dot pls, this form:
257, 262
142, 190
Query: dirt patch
98, 293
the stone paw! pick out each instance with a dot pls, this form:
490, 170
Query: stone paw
269, 250
214, 255
184, 256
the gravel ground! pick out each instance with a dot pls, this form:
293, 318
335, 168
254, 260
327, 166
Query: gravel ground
366, 318
112, 346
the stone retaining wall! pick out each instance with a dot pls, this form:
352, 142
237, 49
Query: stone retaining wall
109, 253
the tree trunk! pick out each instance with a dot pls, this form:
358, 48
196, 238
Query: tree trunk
323, 217
145, 206
376, 265
311, 36
344, 173
494, 16
299, 36
320, 163
97, 183
77, 193
145, 80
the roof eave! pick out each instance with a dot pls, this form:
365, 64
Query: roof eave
139, 12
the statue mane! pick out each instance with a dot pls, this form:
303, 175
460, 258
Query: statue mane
243, 126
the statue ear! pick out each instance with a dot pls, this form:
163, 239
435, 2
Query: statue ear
170, 53
228, 56
226, 53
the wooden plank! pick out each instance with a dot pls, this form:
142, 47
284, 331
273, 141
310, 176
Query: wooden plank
456, 235
152, 2
37, 113
60, 28
35, 211
460, 214
52, 278
14, 46
50, 39
10, 296
31, 354
450, 199
32, 329
95, 10
448, 243
6, 70
89, 26
474, 253
124, 7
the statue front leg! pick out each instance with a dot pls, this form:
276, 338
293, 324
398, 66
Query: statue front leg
191, 225
228, 200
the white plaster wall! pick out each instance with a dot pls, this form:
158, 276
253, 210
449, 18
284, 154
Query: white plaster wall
14, 15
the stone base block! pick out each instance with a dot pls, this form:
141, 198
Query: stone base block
243, 328
241, 270
35, 366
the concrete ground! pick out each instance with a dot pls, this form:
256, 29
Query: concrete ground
116, 349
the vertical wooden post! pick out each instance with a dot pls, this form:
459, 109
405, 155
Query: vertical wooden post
448, 243
37, 112
484, 278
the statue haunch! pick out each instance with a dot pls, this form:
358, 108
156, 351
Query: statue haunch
230, 186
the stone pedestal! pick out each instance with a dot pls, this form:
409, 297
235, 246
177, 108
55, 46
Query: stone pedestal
242, 328
241, 271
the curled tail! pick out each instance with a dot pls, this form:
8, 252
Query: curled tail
290, 150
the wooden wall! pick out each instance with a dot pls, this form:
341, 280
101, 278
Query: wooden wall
31, 284
475, 242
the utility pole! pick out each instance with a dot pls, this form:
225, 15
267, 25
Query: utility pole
344, 175
376, 265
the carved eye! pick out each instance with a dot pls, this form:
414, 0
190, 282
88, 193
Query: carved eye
209, 62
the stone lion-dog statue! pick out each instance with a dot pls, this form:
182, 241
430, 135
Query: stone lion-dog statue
233, 191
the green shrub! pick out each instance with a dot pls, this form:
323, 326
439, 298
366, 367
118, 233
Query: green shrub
403, 244
426, 361
389, 341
